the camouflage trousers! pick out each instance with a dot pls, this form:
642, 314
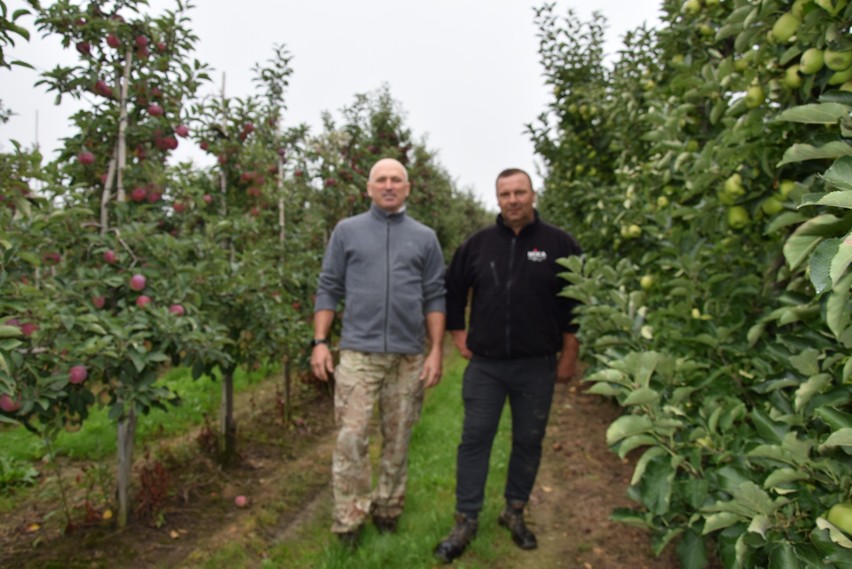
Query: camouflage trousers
362, 380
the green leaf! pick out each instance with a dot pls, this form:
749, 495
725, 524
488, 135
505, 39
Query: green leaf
819, 113
834, 418
806, 237
783, 476
691, 551
833, 199
627, 426
837, 306
802, 152
841, 260
605, 389
9, 331
641, 396
839, 438
782, 556
631, 443
820, 264
720, 520
840, 173
813, 386
807, 363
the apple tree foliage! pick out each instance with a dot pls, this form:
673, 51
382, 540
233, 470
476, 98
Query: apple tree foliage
704, 172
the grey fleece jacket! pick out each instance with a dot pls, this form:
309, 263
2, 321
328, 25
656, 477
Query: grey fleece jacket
389, 270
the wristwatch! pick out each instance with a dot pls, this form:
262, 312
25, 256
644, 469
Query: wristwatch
318, 341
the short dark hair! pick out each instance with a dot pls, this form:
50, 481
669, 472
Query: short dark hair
511, 172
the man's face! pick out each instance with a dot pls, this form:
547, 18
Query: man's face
515, 197
388, 186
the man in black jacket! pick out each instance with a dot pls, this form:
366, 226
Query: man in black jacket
520, 341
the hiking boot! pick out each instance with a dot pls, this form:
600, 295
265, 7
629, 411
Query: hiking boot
458, 540
349, 539
385, 524
513, 518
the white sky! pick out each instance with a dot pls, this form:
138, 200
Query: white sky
465, 72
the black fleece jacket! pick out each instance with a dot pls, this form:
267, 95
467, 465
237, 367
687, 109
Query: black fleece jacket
516, 311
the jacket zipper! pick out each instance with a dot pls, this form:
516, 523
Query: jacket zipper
509, 298
387, 284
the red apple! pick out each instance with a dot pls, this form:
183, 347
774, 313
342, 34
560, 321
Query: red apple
110, 257
51, 257
137, 282
182, 130
208, 199
113, 41
179, 207
9, 405
84, 47
142, 301
141, 41
101, 88
154, 196
77, 374
85, 157
204, 145
138, 194
155, 110
241, 501
177, 310
28, 328
161, 46
98, 302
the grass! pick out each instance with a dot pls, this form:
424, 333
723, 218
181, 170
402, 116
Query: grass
430, 500
96, 439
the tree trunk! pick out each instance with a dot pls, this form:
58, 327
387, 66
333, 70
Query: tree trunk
228, 426
126, 436
288, 415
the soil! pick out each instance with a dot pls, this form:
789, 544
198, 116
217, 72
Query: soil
580, 482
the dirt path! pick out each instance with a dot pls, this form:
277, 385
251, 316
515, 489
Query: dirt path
579, 484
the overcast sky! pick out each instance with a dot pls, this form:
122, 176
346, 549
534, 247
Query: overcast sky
465, 72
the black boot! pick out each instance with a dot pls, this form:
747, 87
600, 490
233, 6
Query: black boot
458, 540
513, 518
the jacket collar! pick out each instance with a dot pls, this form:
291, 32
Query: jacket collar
382, 215
528, 228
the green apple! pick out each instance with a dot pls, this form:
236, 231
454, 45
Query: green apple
785, 27
798, 8
785, 187
754, 96
837, 60
833, 7
840, 77
811, 61
706, 29
846, 86
734, 185
711, 3
738, 217
840, 515
646, 282
771, 206
662, 201
792, 79
691, 7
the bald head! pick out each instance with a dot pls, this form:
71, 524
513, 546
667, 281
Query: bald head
388, 163
388, 185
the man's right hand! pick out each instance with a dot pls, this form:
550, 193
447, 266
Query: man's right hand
322, 362
460, 342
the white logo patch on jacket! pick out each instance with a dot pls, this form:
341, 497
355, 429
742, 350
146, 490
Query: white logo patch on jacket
536, 256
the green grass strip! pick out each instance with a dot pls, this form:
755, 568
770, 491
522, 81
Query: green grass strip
430, 499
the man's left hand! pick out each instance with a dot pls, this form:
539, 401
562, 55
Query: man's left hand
566, 369
432, 369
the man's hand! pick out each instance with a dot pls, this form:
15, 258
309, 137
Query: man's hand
432, 369
566, 367
460, 342
322, 363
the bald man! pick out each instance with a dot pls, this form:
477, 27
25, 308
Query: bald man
388, 270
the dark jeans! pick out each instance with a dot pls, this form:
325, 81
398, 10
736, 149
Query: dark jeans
528, 384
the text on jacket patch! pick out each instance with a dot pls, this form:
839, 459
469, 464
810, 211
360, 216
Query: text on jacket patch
536, 256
